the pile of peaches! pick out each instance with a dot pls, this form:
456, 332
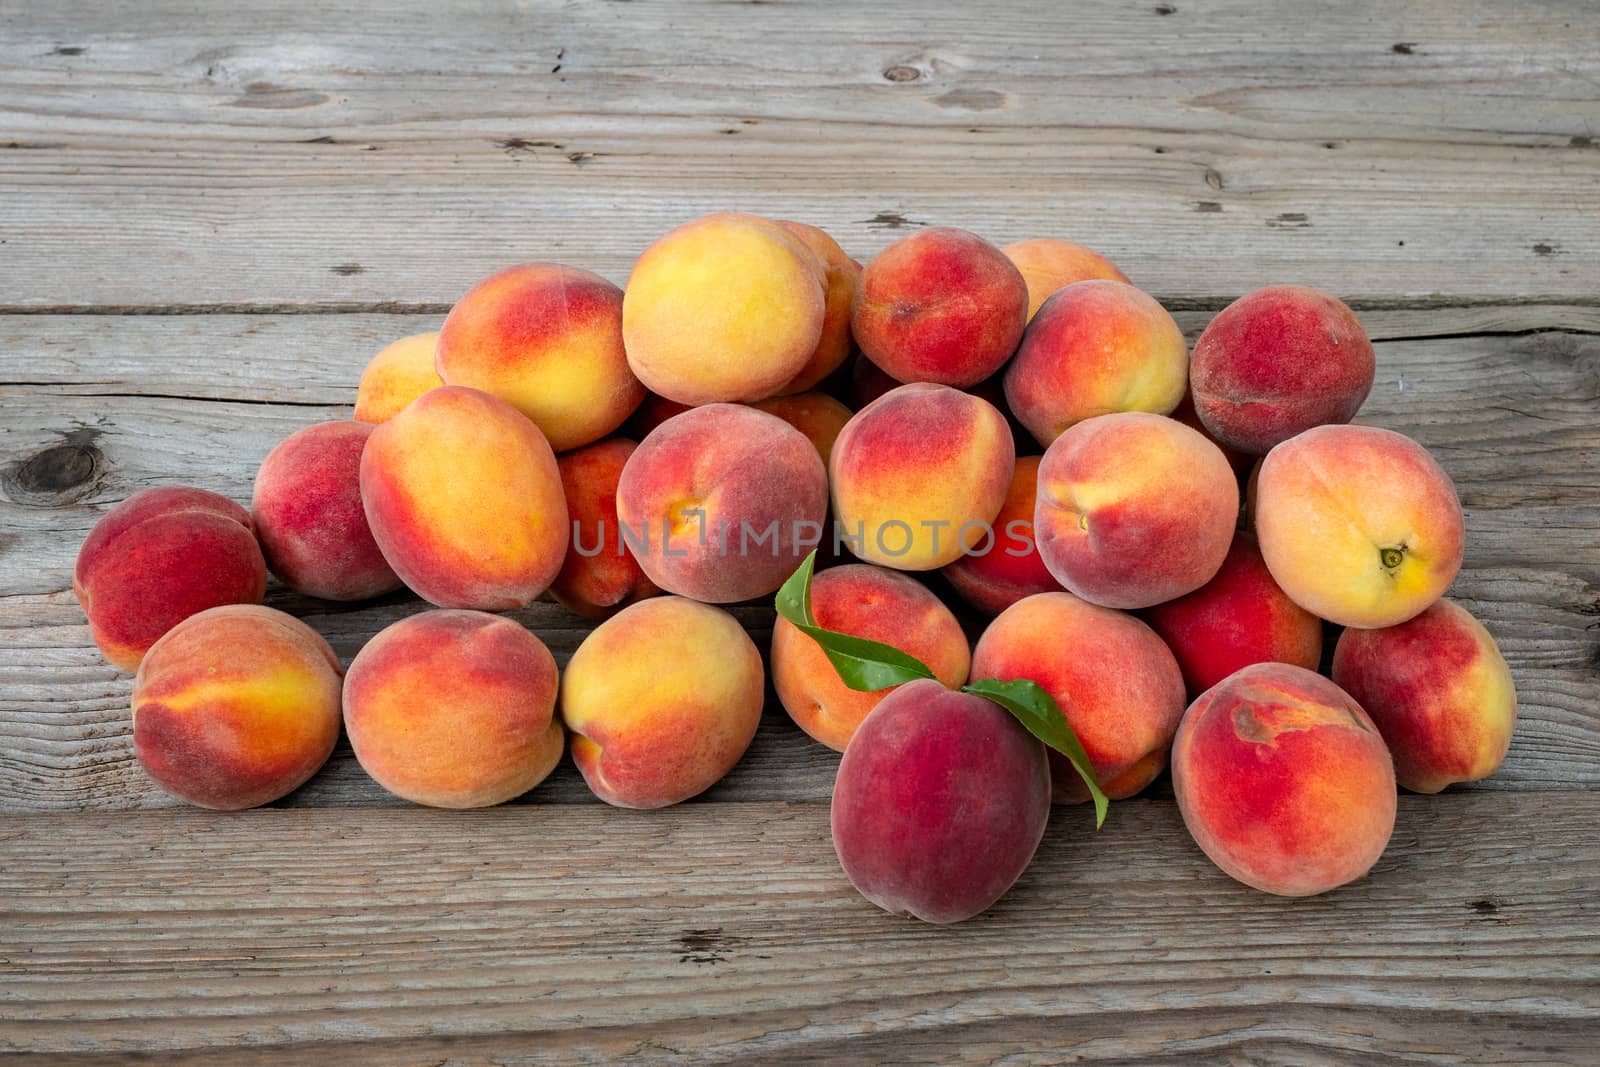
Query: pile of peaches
1167, 570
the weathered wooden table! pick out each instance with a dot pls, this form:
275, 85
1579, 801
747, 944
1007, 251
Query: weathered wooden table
211, 215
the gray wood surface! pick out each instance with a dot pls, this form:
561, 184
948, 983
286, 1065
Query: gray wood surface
212, 215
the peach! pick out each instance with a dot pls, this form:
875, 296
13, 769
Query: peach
454, 709
993, 576
1283, 781
464, 498
728, 307
308, 515
942, 305
1358, 525
1115, 681
159, 557
722, 503
599, 576
548, 339
1439, 691
1049, 265
919, 474
880, 605
236, 706
396, 376
940, 803
662, 700
1238, 618
1134, 509
817, 415
841, 276
1095, 348
1276, 362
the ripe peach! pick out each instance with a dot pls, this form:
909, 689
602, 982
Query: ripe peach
464, 498
236, 706
1117, 684
725, 308
942, 305
308, 515
599, 576
918, 474
940, 803
870, 602
995, 577
397, 376
1238, 618
1049, 265
1439, 691
817, 415
159, 557
547, 339
722, 502
1095, 348
1134, 509
662, 699
1283, 781
1278, 361
454, 709
841, 277
1358, 525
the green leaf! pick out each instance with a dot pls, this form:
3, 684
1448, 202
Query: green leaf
1039, 712
863, 665
868, 666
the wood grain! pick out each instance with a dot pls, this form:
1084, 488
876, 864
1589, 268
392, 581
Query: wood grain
295, 154
728, 931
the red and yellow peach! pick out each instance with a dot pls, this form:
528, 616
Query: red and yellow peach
1439, 691
1049, 265
728, 307
1358, 524
396, 376
1134, 509
236, 706
841, 276
662, 700
1095, 348
817, 415
309, 519
942, 305
464, 498
547, 339
995, 575
159, 557
454, 709
919, 474
722, 502
1238, 618
1279, 361
1283, 781
879, 605
599, 576
1117, 684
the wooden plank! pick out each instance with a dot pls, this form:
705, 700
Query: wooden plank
1510, 417
360, 153
699, 932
